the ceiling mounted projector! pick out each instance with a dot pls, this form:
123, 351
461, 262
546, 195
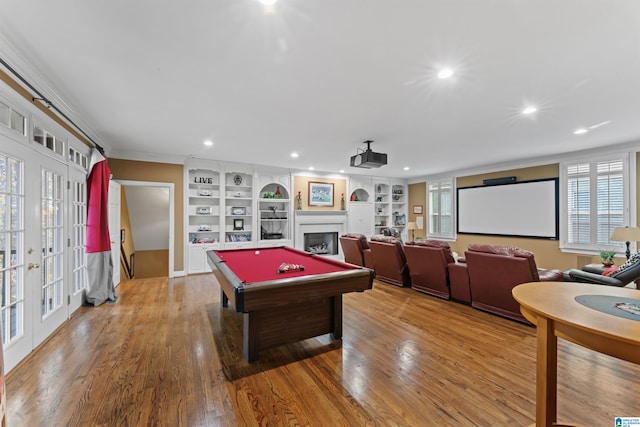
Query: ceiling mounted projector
368, 159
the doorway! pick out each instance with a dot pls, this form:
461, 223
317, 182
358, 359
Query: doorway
148, 227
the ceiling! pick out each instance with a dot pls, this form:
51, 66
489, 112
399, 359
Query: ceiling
155, 79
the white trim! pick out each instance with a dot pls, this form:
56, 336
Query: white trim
629, 178
629, 146
26, 70
171, 187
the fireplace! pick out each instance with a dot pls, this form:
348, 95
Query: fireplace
313, 224
321, 243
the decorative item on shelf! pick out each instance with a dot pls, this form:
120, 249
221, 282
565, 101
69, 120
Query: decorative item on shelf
379, 189
204, 228
237, 194
203, 210
202, 180
607, 257
299, 201
206, 193
238, 224
238, 211
237, 180
278, 194
353, 196
342, 205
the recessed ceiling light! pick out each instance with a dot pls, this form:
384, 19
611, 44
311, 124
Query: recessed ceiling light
267, 2
208, 143
294, 155
529, 110
580, 131
406, 168
310, 168
445, 73
341, 170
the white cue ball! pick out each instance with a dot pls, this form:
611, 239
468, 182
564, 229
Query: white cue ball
257, 252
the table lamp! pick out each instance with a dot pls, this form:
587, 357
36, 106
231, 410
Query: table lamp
626, 234
412, 226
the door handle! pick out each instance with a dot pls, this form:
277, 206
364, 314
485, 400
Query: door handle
32, 266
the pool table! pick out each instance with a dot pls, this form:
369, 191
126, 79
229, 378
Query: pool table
279, 308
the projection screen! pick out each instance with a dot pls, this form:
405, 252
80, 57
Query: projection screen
523, 209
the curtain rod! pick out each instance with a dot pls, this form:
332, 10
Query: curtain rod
49, 104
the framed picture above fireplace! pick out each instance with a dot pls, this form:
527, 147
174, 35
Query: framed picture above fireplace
320, 194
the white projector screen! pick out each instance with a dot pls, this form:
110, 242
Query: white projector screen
523, 209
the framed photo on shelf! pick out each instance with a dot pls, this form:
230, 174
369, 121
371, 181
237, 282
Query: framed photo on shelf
238, 224
320, 194
417, 209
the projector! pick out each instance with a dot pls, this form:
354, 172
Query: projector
368, 159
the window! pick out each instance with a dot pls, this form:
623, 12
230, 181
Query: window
440, 201
12, 119
596, 199
47, 140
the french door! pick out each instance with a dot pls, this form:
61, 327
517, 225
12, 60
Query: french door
33, 264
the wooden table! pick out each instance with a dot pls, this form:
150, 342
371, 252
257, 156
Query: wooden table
552, 307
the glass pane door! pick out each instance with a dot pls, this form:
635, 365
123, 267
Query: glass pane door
11, 248
52, 203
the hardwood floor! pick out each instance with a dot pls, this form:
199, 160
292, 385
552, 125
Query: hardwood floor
166, 354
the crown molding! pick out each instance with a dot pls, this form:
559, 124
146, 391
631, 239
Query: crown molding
34, 76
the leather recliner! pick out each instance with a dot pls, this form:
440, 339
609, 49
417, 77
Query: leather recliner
428, 262
495, 270
625, 274
389, 261
356, 249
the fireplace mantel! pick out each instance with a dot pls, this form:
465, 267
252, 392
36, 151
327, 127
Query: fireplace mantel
319, 213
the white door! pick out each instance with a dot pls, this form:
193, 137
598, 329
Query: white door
78, 240
360, 218
17, 300
53, 252
114, 228
32, 248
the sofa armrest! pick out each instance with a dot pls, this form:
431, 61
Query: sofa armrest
586, 277
550, 275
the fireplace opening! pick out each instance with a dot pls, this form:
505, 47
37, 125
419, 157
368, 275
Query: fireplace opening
321, 243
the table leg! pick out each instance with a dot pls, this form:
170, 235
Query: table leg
223, 298
337, 317
546, 373
250, 338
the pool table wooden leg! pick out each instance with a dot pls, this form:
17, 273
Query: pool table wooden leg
250, 338
223, 299
336, 328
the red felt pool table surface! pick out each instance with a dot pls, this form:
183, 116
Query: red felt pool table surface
261, 264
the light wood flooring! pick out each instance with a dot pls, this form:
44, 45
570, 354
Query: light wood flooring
166, 354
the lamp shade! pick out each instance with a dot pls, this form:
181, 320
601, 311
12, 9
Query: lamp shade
626, 234
412, 226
